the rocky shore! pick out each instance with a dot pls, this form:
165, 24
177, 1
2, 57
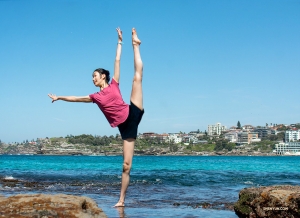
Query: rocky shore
272, 201
40, 205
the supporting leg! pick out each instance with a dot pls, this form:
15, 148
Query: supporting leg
128, 151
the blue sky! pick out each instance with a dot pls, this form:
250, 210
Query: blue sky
204, 62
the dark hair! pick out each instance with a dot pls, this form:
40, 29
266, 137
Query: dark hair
105, 72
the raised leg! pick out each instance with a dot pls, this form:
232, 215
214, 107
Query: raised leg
137, 93
128, 150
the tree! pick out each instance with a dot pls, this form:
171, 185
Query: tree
281, 136
238, 125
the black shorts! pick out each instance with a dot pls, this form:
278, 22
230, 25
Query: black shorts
129, 128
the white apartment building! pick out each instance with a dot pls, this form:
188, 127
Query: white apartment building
215, 129
290, 148
292, 135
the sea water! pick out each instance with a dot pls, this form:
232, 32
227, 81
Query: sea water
160, 186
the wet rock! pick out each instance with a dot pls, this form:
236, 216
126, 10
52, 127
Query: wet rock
271, 201
40, 205
206, 205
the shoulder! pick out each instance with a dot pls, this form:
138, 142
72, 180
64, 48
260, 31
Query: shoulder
93, 96
114, 82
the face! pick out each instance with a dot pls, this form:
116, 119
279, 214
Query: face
98, 78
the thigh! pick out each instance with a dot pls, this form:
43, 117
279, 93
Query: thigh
137, 93
128, 150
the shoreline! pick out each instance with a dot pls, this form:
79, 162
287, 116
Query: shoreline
167, 155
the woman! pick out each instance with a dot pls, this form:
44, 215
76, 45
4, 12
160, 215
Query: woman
117, 112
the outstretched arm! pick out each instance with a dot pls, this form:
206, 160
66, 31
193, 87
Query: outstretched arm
85, 99
118, 56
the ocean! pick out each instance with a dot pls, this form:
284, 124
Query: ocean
161, 186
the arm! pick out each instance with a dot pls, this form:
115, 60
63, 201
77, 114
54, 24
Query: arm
85, 99
118, 56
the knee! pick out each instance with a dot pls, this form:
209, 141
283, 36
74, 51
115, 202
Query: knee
126, 167
137, 77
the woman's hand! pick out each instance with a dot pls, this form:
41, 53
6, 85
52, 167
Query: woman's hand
53, 97
119, 34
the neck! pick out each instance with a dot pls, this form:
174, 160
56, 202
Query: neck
102, 86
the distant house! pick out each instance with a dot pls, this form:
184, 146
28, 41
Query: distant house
248, 127
189, 139
174, 138
158, 137
148, 135
194, 132
232, 128
163, 137
231, 136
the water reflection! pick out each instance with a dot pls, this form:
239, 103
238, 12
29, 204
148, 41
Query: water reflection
121, 211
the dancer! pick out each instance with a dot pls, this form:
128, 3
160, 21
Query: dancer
117, 112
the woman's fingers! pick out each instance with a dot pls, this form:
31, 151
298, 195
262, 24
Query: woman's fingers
119, 32
53, 97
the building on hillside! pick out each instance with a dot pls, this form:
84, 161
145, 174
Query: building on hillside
248, 127
233, 128
242, 138
148, 134
158, 137
263, 132
189, 139
186, 139
194, 132
247, 138
231, 136
253, 137
292, 135
175, 138
215, 129
162, 137
289, 148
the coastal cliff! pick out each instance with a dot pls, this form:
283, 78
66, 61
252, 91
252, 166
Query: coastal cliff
272, 201
63, 146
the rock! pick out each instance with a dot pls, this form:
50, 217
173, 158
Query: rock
46, 206
272, 201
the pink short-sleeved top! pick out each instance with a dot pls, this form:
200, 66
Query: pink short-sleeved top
111, 103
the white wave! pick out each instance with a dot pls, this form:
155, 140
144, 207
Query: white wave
9, 178
248, 182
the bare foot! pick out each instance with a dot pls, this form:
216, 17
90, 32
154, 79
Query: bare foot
120, 204
135, 39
